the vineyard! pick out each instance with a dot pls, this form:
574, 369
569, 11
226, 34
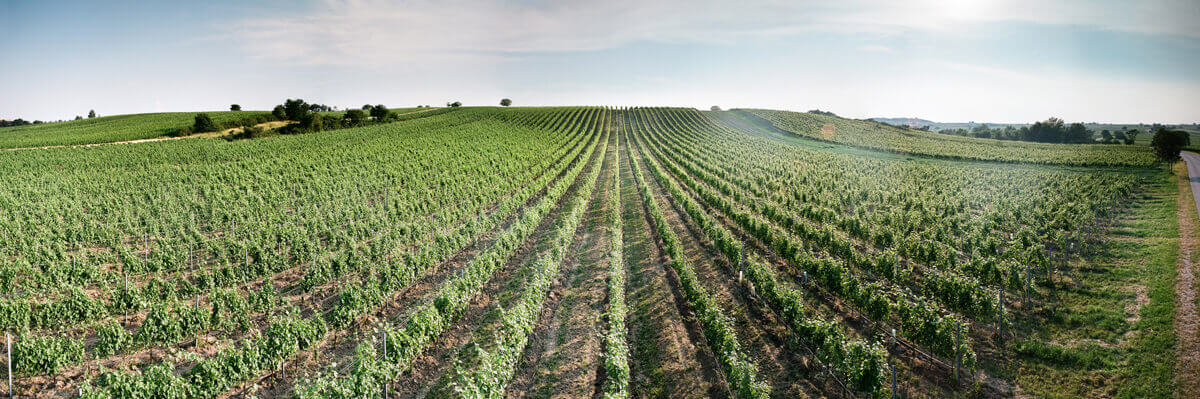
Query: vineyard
108, 129
581, 252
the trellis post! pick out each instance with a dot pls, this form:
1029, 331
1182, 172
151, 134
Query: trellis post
8, 349
893, 368
385, 384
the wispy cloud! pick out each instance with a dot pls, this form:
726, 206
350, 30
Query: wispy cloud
384, 33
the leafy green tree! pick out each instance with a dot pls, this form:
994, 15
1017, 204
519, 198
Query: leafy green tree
505, 102
235, 107
379, 112
714, 108
1077, 133
295, 109
279, 112
91, 114
312, 122
454, 104
366, 107
1132, 136
204, 123
1168, 143
77, 117
355, 117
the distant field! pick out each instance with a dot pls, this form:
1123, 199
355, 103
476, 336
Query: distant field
878, 136
108, 129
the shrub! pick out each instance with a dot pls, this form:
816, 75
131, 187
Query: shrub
355, 117
505, 102
379, 112
296, 109
279, 112
204, 124
235, 107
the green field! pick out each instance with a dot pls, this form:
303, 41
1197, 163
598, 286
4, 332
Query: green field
107, 129
583, 252
878, 136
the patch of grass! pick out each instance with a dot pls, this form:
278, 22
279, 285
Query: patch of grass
1081, 343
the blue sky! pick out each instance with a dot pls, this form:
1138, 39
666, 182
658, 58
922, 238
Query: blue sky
968, 60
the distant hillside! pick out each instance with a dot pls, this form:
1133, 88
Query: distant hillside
877, 136
910, 122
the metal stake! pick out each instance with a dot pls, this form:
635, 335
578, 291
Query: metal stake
8, 346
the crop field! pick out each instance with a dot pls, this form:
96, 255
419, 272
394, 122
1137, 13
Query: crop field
584, 252
107, 129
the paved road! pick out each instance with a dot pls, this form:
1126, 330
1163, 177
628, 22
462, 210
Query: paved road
1193, 167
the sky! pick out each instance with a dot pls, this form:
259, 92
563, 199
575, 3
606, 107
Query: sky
946, 61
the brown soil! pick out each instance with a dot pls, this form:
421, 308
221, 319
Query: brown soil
339, 349
427, 372
916, 372
760, 332
560, 359
668, 357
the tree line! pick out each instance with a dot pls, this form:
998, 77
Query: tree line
22, 122
1052, 130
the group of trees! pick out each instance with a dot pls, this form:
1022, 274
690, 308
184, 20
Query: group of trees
18, 122
22, 122
1052, 130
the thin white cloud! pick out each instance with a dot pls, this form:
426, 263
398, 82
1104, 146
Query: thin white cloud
383, 33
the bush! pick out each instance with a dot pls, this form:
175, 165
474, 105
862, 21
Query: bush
204, 124
296, 109
1168, 143
355, 117
505, 102
279, 112
184, 131
235, 107
379, 112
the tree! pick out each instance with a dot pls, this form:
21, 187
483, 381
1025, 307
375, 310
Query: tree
366, 107
1132, 136
91, 114
379, 112
454, 104
77, 117
714, 108
505, 102
279, 112
204, 124
312, 122
295, 109
1168, 143
235, 107
355, 117
1077, 133
1106, 136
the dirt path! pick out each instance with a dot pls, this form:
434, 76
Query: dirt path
1187, 321
425, 376
560, 360
762, 335
667, 355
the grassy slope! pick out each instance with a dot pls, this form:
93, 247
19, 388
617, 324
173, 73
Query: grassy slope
1106, 330
107, 129
877, 136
